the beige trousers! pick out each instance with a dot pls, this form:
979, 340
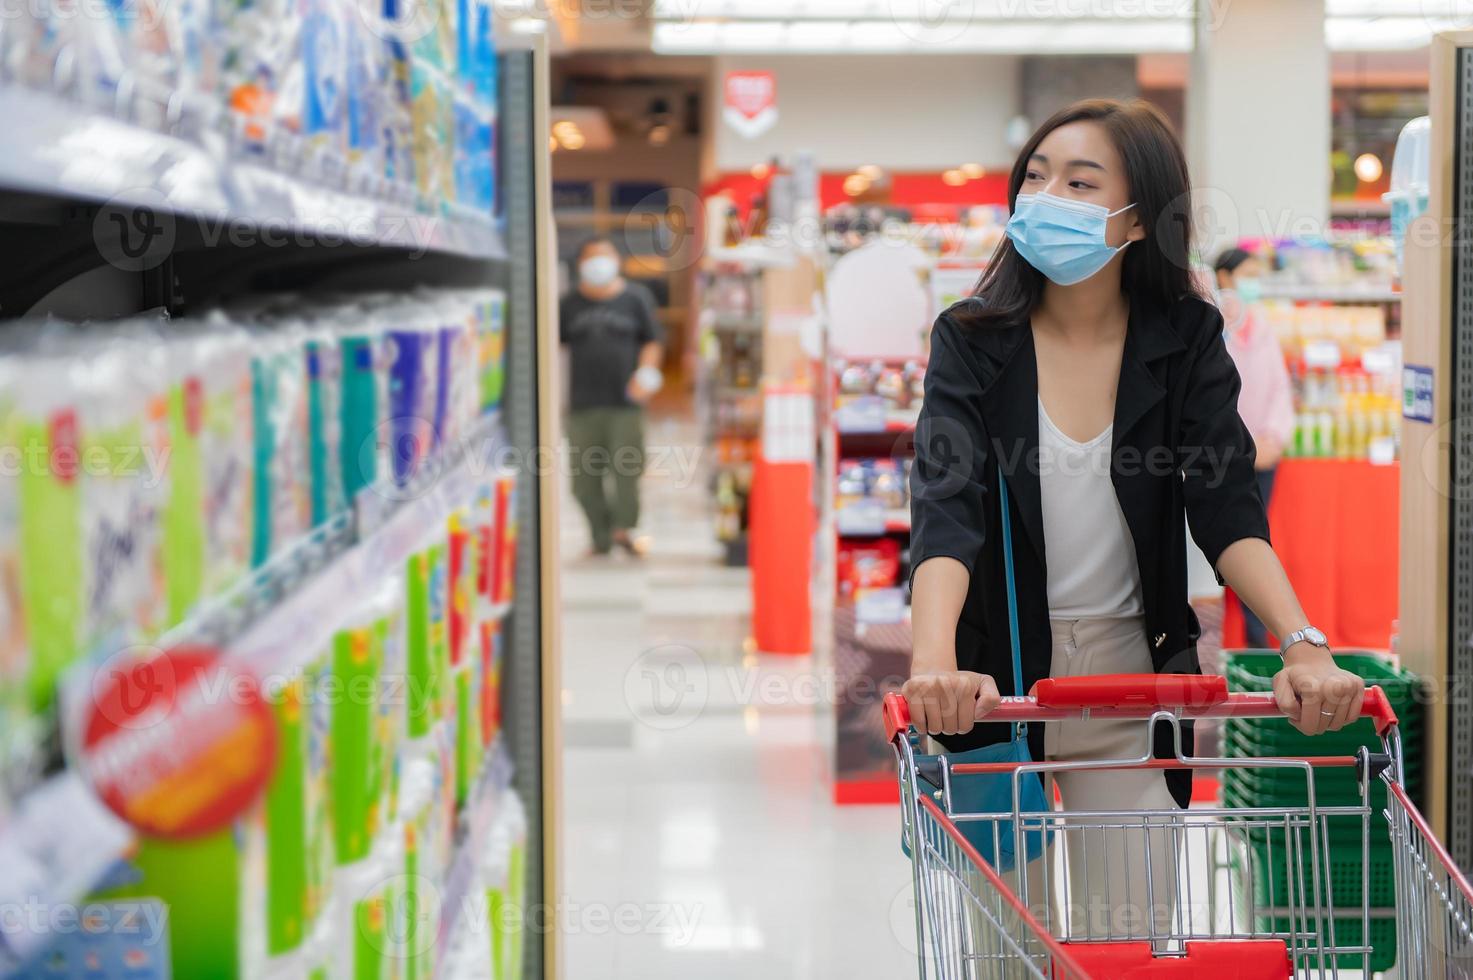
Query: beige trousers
1115, 881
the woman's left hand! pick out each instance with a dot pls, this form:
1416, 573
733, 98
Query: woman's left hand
1315, 694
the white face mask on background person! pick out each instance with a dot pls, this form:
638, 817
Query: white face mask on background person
598, 270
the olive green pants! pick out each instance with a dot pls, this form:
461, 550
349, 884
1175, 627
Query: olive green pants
606, 446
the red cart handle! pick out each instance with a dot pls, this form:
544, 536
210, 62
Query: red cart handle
1118, 698
1125, 690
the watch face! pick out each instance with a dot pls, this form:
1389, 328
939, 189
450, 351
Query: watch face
1316, 637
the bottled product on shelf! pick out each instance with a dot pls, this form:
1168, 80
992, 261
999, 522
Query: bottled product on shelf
872, 496
393, 102
1346, 377
161, 473
1345, 413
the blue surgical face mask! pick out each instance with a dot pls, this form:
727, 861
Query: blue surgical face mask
1250, 288
1063, 239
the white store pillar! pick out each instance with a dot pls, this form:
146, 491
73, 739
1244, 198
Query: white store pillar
1258, 121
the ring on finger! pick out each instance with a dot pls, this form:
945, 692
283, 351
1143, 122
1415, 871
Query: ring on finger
1328, 714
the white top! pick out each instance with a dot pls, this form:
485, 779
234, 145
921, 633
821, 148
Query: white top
1092, 571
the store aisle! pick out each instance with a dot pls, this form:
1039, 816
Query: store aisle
700, 837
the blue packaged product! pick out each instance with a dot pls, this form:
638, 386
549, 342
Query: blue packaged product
368, 82
410, 400
444, 380
324, 59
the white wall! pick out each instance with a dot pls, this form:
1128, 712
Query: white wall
900, 112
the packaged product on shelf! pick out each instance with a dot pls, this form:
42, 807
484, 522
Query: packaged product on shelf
325, 51
356, 667
503, 869
122, 437
491, 347
365, 426
498, 523
298, 817
360, 918
44, 505
426, 651
490, 652
208, 527
260, 66
397, 131
368, 83
392, 702
283, 474
19, 729
419, 803
324, 422
864, 565
112, 939
467, 678
434, 130
461, 559
411, 391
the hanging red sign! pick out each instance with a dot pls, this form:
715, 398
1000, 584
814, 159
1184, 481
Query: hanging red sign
178, 744
750, 101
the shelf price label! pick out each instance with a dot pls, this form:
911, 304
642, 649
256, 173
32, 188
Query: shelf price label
879, 607
864, 413
178, 744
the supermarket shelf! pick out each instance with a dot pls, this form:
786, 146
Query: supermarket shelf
386, 535
70, 151
1331, 294
859, 522
893, 426
470, 846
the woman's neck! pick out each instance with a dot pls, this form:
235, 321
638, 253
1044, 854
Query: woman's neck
1086, 312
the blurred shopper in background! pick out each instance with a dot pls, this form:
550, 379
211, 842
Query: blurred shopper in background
1267, 401
614, 341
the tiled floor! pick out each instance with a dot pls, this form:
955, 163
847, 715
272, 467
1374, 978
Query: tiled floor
700, 838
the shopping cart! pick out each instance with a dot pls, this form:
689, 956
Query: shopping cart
1121, 894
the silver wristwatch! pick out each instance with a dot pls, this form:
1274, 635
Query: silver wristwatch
1308, 634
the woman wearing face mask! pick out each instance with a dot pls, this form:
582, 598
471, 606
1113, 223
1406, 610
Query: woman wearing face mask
1088, 382
1267, 400
614, 342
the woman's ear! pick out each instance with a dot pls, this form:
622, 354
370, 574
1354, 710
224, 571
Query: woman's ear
1137, 231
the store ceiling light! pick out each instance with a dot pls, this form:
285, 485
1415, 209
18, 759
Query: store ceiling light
870, 172
1007, 26
528, 25
1368, 168
953, 178
921, 37
856, 184
760, 171
588, 126
973, 170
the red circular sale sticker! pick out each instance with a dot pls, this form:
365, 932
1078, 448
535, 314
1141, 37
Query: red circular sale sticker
178, 744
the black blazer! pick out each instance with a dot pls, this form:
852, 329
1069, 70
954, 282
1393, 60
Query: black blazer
1178, 449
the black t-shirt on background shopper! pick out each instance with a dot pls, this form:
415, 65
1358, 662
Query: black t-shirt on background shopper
604, 338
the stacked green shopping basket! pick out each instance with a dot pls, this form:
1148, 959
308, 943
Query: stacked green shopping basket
1274, 875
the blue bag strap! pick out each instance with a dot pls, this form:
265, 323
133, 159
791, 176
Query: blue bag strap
1020, 730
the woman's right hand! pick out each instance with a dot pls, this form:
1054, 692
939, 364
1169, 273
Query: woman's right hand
949, 702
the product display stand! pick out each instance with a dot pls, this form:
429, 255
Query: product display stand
867, 539
106, 217
1436, 621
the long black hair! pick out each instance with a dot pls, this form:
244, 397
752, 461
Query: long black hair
1157, 269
